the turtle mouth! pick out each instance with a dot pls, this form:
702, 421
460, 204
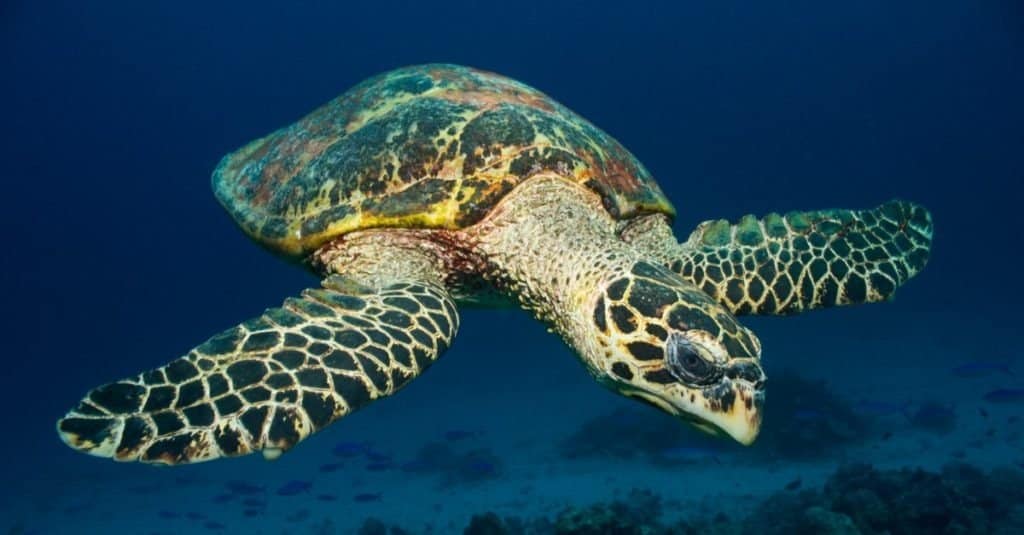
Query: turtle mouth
731, 409
736, 413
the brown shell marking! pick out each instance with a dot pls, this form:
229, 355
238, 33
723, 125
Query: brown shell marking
432, 146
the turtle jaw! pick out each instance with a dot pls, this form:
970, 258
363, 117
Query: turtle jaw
732, 408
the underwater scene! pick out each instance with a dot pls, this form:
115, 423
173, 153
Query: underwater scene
674, 267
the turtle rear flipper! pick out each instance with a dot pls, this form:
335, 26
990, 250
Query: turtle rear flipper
271, 381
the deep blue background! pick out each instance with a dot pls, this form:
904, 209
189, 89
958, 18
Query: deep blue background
116, 257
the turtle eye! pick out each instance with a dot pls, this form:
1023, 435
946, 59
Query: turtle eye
687, 364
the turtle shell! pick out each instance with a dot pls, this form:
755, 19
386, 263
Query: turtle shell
431, 146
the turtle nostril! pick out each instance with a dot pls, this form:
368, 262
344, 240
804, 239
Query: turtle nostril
748, 371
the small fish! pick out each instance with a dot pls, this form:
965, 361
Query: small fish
213, 525
326, 497
1005, 395
1013, 419
367, 497
294, 487
223, 498
167, 514
983, 412
330, 467
981, 368
192, 515
244, 488
252, 512
349, 449
887, 435
795, 484
456, 435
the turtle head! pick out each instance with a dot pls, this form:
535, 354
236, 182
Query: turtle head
664, 342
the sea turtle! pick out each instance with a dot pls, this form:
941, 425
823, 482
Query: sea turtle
434, 185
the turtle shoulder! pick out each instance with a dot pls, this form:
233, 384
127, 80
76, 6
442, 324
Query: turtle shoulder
430, 146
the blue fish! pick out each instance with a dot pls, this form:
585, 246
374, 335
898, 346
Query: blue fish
252, 512
326, 497
168, 514
1005, 395
349, 449
980, 368
213, 525
294, 487
367, 497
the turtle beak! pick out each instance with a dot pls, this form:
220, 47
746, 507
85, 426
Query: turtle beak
735, 411
732, 408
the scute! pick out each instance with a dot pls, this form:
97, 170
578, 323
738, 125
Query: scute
431, 146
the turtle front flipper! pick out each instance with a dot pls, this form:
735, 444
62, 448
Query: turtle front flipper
802, 260
273, 380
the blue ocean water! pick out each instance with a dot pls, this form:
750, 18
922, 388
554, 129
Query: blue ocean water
117, 258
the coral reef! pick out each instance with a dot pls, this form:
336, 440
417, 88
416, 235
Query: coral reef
856, 499
637, 514
859, 498
374, 526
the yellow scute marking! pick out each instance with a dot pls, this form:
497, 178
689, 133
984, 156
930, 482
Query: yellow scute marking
442, 216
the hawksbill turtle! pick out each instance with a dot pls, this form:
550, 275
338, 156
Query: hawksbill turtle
437, 185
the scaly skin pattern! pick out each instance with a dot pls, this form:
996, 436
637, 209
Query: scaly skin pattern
800, 261
431, 146
639, 329
272, 381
